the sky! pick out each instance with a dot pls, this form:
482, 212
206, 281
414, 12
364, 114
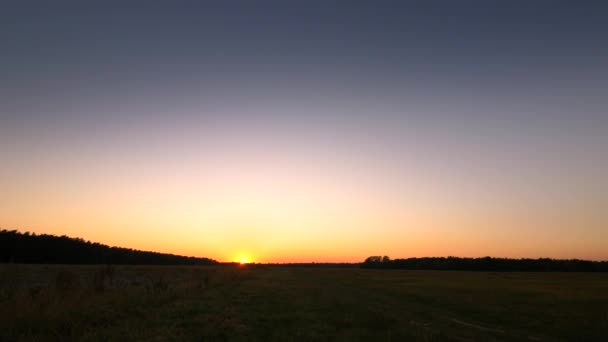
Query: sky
298, 131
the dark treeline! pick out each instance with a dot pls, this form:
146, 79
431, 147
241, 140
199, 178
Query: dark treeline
31, 248
317, 264
488, 264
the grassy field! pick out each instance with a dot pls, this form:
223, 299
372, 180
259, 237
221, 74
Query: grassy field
270, 303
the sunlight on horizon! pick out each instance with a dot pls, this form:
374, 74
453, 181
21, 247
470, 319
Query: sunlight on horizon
244, 259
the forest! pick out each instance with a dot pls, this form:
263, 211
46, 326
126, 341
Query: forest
17, 247
487, 264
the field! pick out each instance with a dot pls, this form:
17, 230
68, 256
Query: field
274, 303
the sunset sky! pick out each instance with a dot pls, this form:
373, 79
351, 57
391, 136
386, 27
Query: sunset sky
286, 131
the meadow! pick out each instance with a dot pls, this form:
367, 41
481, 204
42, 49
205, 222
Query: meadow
279, 303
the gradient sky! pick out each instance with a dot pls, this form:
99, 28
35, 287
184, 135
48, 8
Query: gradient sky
308, 130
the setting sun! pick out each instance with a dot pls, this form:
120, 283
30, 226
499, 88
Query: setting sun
244, 259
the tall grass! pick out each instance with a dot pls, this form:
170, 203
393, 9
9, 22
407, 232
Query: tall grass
217, 303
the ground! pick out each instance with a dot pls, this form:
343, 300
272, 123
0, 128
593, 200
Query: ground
277, 303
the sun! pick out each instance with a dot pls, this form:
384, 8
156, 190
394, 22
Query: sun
244, 259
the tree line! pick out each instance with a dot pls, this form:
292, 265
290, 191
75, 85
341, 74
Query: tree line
43, 248
487, 264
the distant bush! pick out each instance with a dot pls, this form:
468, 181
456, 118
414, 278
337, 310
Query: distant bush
42, 249
487, 264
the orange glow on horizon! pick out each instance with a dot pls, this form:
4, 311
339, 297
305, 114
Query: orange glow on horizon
244, 259
284, 211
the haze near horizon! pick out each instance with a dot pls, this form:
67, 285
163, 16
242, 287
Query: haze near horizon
271, 131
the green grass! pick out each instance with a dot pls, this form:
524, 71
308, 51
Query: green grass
270, 303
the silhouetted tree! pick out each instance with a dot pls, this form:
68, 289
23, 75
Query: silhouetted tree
373, 260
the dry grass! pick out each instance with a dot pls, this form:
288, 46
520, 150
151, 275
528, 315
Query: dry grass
219, 303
